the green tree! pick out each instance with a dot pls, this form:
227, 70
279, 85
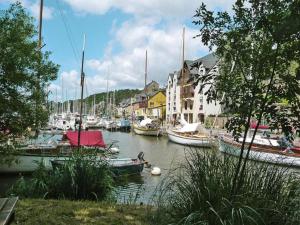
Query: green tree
258, 45
25, 71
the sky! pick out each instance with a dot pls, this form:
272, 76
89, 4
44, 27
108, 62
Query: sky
118, 33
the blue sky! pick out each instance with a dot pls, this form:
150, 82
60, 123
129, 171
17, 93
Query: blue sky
118, 32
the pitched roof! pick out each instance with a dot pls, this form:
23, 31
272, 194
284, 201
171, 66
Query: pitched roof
208, 61
163, 91
152, 82
171, 75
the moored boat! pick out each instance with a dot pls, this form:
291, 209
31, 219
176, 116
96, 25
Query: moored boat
261, 151
91, 121
189, 139
147, 127
123, 125
190, 134
120, 166
27, 158
146, 131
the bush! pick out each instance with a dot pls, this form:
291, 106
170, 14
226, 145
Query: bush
81, 177
199, 192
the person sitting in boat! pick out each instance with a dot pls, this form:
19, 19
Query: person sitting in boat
285, 144
266, 134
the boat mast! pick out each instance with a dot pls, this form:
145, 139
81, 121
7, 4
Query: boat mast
38, 75
114, 103
62, 95
94, 109
56, 101
146, 91
146, 62
182, 68
82, 86
107, 92
40, 24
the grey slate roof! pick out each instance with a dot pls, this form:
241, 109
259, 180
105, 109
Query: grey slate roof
171, 75
208, 61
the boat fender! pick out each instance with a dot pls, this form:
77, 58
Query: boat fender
141, 156
156, 171
114, 150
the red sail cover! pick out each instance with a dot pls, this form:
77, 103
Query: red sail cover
87, 138
253, 126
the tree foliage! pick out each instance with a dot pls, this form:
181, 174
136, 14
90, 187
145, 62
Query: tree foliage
258, 45
25, 71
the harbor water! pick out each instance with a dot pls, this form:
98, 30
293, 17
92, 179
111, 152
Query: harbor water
159, 151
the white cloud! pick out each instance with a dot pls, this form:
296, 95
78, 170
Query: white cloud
34, 8
150, 8
126, 69
155, 25
68, 87
164, 53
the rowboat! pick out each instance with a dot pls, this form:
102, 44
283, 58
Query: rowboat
261, 151
121, 166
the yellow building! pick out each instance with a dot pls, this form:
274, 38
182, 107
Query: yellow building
157, 105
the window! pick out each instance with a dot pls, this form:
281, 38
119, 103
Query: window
185, 105
201, 107
151, 104
191, 105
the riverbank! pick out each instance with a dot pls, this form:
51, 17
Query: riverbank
39, 211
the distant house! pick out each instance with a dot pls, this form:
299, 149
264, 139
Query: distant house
152, 87
137, 106
157, 105
184, 98
140, 104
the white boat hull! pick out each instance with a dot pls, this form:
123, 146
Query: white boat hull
261, 156
189, 141
143, 131
27, 163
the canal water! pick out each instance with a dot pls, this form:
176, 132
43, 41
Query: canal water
159, 151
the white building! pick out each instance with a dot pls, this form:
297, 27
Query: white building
184, 98
173, 102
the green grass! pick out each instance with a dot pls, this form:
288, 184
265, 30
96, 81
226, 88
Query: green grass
38, 211
199, 192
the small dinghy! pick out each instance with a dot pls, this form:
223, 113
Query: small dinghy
119, 166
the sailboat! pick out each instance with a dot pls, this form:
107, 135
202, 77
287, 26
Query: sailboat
147, 126
91, 120
191, 134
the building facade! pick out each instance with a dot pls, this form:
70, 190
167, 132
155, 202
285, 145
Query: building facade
157, 105
183, 97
